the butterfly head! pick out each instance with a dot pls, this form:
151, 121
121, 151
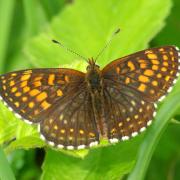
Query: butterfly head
92, 66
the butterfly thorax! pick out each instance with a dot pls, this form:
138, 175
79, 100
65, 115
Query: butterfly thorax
94, 82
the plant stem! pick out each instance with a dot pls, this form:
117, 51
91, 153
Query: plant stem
31, 16
6, 16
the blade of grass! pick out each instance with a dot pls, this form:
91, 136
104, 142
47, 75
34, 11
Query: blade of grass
5, 169
31, 16
152, 138
6, 15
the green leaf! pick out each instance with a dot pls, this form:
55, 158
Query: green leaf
170, 34
8, 125
29, 18
86, 26
111, 162
5, 169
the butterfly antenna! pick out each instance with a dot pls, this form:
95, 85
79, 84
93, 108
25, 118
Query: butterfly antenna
107, 44
69, 50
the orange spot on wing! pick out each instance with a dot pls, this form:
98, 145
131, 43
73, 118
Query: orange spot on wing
91, 134
45, 105
14, 89
131, 65
55, 127
154, 83
117, 70
13, 74
62, 131
148, 72
31, 104
16, 104
34, 92
155, 67
142, 87
167, 78
152, 56
143, 65
127, 81
37, 83
165, 57
4, 87
66, 78
25, 77
10, 99
24, 99
81, 131
143, 78
12, 83
152, 91
165, 63
27, 72
155, 61
59, 92
163, 69
41, 96
38, 78
24, 83
23, 111
159, 75
171, 53
18, 94
51, 79
71, 130
161, 49
36, 112
26, 89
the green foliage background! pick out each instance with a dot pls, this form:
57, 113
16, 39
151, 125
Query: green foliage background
27, 27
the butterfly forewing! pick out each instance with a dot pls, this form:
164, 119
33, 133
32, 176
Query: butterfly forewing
150, 72
133, 84
55, 97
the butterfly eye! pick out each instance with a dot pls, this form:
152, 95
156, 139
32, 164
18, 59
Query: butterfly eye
97, 66
88, 68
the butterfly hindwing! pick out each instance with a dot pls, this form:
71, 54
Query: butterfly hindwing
127, 113
71, 126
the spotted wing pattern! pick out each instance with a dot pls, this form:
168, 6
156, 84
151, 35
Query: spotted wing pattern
56, 99
71, 125
133, 84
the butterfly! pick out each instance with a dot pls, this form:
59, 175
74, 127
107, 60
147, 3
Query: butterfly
74, 110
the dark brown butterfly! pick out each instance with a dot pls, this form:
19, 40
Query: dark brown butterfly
75, 110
